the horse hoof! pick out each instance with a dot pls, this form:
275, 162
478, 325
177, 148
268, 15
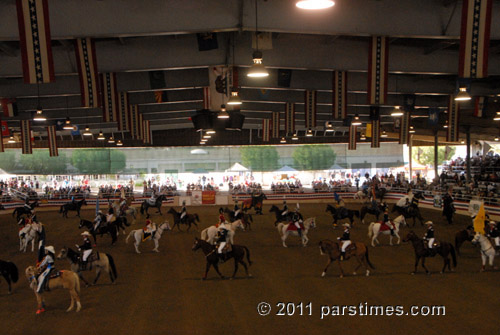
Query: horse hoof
323, 274
249, 275
412, 273
41, 310
341, 276
155, 250
354, 273
367, 273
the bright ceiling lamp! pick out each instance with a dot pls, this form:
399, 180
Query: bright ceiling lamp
362, 137
329, 127
496, 138
356, 121
234, 99
282, 140
39, 115
309, 133
295, 137
101, 136
397, 111
67, 124
223, 114
210, 131
497, 117
462, 95
257, 70
412, 130
119, 143
315, 4
445, 124
87, 131
111, 140
206, 136
203, 142
384, 134
11, 140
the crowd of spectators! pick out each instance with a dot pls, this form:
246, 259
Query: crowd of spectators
287, 186
245, 188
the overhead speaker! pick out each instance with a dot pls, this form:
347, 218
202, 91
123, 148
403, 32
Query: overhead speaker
202, 119
235, 121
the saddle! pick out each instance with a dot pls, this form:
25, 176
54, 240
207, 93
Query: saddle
227, 248
435, 246
151, 202
292, 227
384, 226
146, 235
349, 250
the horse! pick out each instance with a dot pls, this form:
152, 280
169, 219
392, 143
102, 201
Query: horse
189, 219
462, 236
129, 211
72, 206
9, 272
103, 228
139, 236
145, 204
367, 209
254, 202
19, 211
28, 234
444, 249
284, 232
374, 230
100, 260
332, 250
411, 211
360, 195
279, 218
487, 250
342, 213
209, 234
237, 252
245, 218
66, 279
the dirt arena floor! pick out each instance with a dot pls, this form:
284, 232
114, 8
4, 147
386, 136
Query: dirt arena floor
162, 293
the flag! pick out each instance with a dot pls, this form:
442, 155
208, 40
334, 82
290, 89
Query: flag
51, 135
404, 134
147, 137
34, 34
97, 207
109, 97
60, 124
86, 61
161, 96
378, 70
284, 77
220, 85
310, 108
375, 134
479, 220
289, 118
26, 137
207, 41
275, 119
480, 106
266, 130
339, 90
368, 131
76, 130
5, 129
123, 122
352, 138
475, 38
453, 115
9, 107
433, 116
134, 121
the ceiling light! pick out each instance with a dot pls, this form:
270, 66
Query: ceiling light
397, 111
412, 130
356, 121
328, 127
446, 124
101, 136
111, 140
282, 140
39, 115
207, 136
462, 95
462, 142
309, 133
384, 134
315, 4
210, 131
119, 143
497, 117
223, 114
203, 142
362, 137
496, 138
257, 70
11, 140
295, 136
87, 131
234, 99
67, 124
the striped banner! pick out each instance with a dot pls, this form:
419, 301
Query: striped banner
26, 137
206, 97
453, 114
34, 34
266, 130
146, 130
140, 125
123, 122
404, 128
51, 136
352, 138
109, 97
87, 70
475, 38
480, 106
275, 128
134, 121
375, 134
310, 108
378, 65
9, 107
289, 118
2, 132
339, 102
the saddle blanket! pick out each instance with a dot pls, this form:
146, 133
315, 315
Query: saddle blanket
384, 227
292, 227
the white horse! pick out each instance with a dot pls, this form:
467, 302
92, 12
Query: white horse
360, 195
284, 232
374, 230
209, 234
487, 249
129, 211
26, 235
139, 234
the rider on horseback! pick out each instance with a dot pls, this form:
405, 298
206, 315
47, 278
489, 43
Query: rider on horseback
150, 228
429, 236
183, 212
222, 240
98, 219
86, 249
297, 221
494, 234
345, 240
222, 218
123, 206
27, 206
388, 222
237, 211
284, 211
45, 267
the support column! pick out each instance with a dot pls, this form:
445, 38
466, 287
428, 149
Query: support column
436, 158
410, 159
467, 161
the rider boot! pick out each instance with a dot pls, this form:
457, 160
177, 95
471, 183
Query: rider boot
83, 266
392, 231
342, 255
222, 257
299, 230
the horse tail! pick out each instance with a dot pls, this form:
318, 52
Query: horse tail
204, 234
125, 221
370, 229
453, 256
142, 208
129, 234
112, 264
61, 209
196, 217
356, 213
248, 255
77, 282
14, 273
368, 259
280, 228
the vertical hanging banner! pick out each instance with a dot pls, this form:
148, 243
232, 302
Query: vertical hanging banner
310, 109
266, 130
453, 113
123, 122
146, 131
34, 34
339, 89
109, 97
9, 107
352, 138
134, 121
375, 134
87, 70
51, 136
140, 127
206, 97
26, 137
378, 66
480, 106
289, 118
475, 38
404, 128
219, 80
275, 133
2, 132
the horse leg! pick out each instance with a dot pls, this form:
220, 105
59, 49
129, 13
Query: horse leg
326, 267
423, 265
136, 245
417, 260
6, 276
283, 238
40, 303
79, 273
72, 294
216, 267
483, 258
97, 275
340, 267
357, 267
397, 235
235, 267
156, 245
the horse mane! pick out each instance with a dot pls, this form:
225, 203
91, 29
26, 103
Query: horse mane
72, 255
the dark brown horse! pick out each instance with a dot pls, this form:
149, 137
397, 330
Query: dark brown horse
238, 253
245, 218
190, 219
255, 202
358, 251
421, 252
462, 236
342, 213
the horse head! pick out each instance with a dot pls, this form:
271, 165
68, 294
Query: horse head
411, 236
274, 209
238, 224
311, 221
62, 253
172, 211
165, 226
476, 239
196, 244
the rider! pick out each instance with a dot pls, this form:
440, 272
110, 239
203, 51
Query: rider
150, 228
222, 218
183, 212
284, 212
494, 234
27, 206
388, 222
346, 238
297, 220
403, 202
429, 235
152, 200
110, 217
45, 267
98, 219
86, 249
237, 211
222, 240
123, 205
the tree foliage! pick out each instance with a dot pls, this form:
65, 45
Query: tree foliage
260, 158
40, 162
314, 157
99, 161
8, 161
425, 155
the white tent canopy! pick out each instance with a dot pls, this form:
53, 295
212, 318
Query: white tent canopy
237, 167
286, 168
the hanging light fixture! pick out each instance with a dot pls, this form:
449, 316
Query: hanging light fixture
412, 130
397, 111
101, 136
111, 139
210, 131
119, 143
445, 124
362, 137
356, 121
67, 124
462, 95
223, 114
295, 136
11, 140
384, 134
234, 99
257, 70
39, 112
496, 138
328, 127
283, 140
87, 131
315, 4
309, 133
497, 117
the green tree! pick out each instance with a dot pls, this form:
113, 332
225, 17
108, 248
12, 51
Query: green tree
260, 158
40, 162
99, 161
425, 155
8, 161
314, 157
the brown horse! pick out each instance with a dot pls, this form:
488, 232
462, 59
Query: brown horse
358, 251
255, 202
67, 279
444, 249
462, 236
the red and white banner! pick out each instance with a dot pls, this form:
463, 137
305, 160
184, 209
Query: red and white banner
378, 65
206, 97
375, 134
310, 109
339, 89
475, 38
275, 128
480, 106
5, 129
266, 130
86, 61
453, 116
109, 97
289, 118
123, 122
9, 107
134, 122
146, 131
404, 128
26, 137
34, 34
352, 138
51, 136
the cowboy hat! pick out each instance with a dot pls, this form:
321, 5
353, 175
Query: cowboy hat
51, 249
429, 222
493, 223
85, 233
346, 225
